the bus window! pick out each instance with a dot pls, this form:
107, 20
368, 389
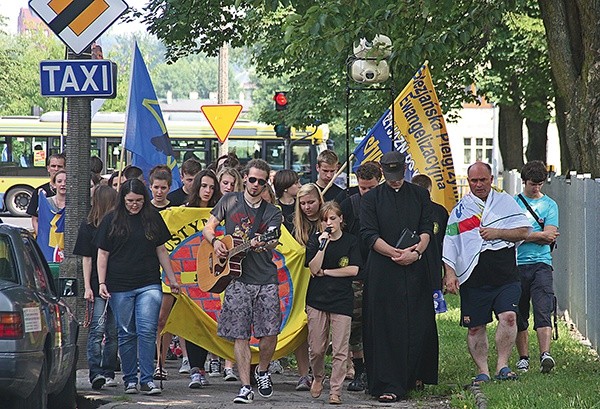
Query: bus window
275, 155
301, 162
190, 148
245, 149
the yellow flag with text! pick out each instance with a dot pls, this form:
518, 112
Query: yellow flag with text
195, 314
419, 131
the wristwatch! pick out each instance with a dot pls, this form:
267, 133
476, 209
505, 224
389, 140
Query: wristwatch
213, 240
419, 253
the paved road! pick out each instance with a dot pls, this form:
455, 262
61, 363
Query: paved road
220, 394
17, 221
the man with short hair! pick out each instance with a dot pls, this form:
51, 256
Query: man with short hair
534, 260
189, 169
327, 167
368, 176
251, 302
56, 162
479, 251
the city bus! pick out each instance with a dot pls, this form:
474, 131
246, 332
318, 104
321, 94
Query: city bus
26, 142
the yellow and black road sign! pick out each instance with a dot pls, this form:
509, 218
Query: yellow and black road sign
78, 22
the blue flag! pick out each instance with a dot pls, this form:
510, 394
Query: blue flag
146, 135
51, 230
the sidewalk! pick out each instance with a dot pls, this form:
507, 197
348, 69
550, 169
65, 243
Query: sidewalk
220, 394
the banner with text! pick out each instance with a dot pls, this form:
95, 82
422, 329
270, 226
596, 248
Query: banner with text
419, 131
195, 314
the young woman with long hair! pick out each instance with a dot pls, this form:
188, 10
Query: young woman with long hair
306, 214
101, 356
131, 250
330, 298
205, 190
286, 185
230, 180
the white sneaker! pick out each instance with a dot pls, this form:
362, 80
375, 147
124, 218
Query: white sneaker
523, 365
150, 388
185, 366
110, 382
131, 388
245, 396
229, 375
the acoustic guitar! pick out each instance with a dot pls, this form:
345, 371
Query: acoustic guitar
215, 273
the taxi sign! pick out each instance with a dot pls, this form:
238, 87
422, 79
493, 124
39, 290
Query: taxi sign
78, 78
78, 22
221, 118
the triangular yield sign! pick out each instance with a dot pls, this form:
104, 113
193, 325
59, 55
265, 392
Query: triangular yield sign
221, 118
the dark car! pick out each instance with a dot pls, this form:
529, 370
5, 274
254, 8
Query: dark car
38, 332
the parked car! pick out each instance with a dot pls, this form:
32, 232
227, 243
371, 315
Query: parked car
38, 332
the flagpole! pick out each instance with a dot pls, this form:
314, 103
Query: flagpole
339, 172
122, 156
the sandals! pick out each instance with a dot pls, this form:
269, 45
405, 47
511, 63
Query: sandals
506, 374
160, 375
388, 397
479, 379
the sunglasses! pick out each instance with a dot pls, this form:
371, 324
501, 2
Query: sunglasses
253, 180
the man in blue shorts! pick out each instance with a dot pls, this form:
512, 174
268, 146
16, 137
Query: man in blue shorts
479, 252
251, 302
534, 259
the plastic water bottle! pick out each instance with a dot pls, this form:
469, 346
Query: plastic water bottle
439, 303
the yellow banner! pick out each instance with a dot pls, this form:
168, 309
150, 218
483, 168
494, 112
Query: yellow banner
195, 314
423, 136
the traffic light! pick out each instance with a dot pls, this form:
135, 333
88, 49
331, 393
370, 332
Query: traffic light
281, 101
282, 130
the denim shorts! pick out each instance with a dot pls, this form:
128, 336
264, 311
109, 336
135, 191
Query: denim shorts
249, 308
478, 303
536, 285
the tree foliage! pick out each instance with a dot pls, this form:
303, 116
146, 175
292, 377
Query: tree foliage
309, 44
20, 58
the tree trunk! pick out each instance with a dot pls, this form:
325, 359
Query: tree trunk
538, 140
510, 136
573, 40
566, 163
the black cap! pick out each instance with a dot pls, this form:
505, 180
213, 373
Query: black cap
392, 164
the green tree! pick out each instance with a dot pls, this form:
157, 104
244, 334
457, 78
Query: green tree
571, 31
310, 43
20, 57
518, 79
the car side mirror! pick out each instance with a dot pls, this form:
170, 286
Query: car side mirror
67, 287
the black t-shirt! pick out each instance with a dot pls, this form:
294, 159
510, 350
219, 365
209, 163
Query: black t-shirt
159, 209
133, 262
32, 207
84, 246
331, 193
352, 226
495, 268
177, 197
333, 294
346, 193
287, 211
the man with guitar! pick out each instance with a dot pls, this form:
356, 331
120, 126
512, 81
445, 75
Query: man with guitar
251, 299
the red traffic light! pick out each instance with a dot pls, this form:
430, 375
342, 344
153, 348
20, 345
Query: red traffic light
281, 100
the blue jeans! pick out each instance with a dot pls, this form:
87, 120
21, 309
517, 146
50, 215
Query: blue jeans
136, 313
102, 359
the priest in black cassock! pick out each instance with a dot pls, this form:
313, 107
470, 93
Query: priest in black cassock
400, 333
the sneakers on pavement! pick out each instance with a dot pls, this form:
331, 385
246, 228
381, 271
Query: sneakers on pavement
304, 383
275, 367
110, 382
195, 379
546, 362
131, 388
229, 375
523, 364
185, 365
264, 383
245, 396
214, 368
150, 389
98, 382
358, 384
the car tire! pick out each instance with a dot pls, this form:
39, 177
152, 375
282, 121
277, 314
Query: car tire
67, 397
38, 399
17, 199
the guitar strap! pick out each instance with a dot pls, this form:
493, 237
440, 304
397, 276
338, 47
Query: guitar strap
257, 220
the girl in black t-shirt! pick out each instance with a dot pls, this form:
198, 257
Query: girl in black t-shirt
131, 251
286, 185
333, 258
